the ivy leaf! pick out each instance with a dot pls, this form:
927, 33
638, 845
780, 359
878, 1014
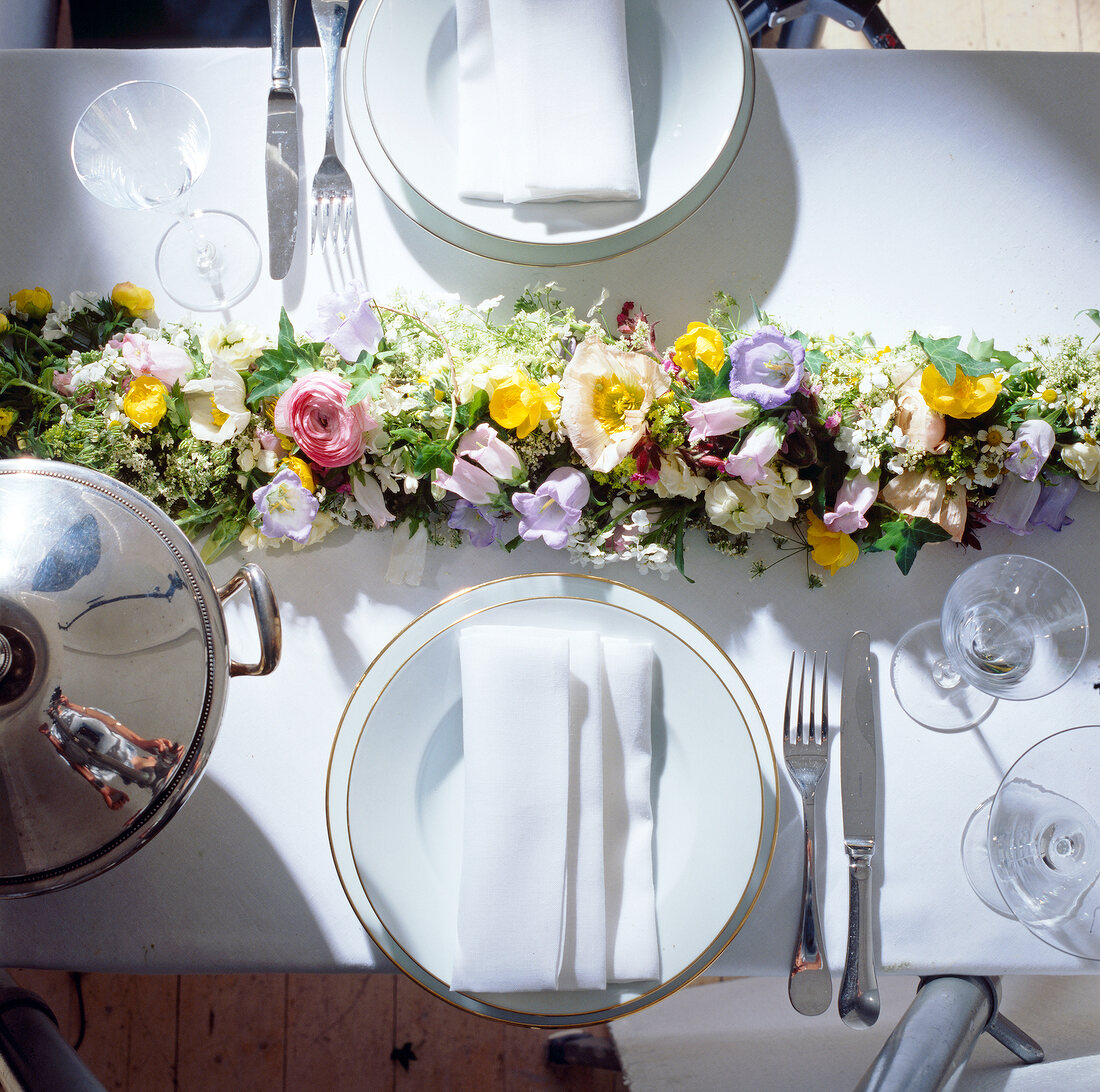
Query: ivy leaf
815, 358
468, 413
948, 358
980, 350
906, 537
710, 385
432, 455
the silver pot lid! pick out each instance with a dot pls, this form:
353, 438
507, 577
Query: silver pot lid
113, 670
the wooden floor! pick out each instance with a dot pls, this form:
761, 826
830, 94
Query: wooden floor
239, 1033
274, 1032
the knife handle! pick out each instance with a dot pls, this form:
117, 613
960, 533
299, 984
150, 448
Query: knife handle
859, 1001
282, 27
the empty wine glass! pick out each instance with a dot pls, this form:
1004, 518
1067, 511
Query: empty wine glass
1040, 849
142, 145
1011, 627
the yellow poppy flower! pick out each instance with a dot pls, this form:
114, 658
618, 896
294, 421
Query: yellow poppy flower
132, 299
518, 402
968, 396
302, 469
832, 550
5, 325
146, 402
36, 303
701, 342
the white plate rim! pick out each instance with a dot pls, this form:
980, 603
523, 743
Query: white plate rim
528, 252
342, 758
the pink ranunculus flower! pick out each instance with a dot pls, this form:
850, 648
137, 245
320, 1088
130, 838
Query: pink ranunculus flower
314, 411
719, 417
152, 356
484, 446
468, 481
853, 499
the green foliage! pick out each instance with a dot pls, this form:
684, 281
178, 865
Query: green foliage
949, 359
905, 537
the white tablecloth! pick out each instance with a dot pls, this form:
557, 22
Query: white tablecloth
875, 190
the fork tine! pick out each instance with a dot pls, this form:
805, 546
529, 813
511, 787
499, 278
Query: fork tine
823, 730
803, 729
787, 705
347, 205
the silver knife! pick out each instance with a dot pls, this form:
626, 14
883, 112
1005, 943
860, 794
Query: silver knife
859, 1000
282, 143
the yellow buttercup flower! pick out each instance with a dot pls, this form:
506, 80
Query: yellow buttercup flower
302, 469
36, 303
132, 299
7, 419
968, 396
519, 402
830, 549
146, 402
701, 342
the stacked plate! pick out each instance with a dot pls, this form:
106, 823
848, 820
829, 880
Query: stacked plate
692, 88
395, 791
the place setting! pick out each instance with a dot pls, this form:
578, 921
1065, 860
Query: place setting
550, 834
448, 106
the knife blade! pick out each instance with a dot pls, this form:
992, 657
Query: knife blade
282, 144
858, 1001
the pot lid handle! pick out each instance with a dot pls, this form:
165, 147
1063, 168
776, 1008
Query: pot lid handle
268, 622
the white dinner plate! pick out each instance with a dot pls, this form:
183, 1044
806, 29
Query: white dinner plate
395, 791
692, 85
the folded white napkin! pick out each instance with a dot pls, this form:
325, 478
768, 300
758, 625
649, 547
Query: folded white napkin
556, 741
544, 108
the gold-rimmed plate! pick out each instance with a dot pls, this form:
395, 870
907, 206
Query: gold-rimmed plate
692, 87
395, 790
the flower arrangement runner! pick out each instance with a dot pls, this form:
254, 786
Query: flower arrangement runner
450, 424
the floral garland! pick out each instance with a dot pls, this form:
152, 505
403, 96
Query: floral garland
548, 426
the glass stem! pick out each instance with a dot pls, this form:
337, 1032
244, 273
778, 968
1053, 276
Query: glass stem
944, 674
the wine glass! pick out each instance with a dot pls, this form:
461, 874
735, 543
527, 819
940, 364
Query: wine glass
1041, 846
142, 145
1011, 627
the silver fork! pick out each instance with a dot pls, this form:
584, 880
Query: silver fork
810, 987
333, 196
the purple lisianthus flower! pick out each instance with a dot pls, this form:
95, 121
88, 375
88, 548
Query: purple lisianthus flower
853, 498
767, 367
1053, 503
1014, 503
554, 508
287, 509
348, 323
1030, 449
483, 526
468, 481
718, 417
758, 449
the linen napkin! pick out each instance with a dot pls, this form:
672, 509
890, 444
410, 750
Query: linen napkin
541, 733
544, 108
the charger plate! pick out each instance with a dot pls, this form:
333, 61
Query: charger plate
692, 86
395, 791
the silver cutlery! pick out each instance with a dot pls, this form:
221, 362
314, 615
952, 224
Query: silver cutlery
282, 144
806, 751
333, 196
859, 1000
